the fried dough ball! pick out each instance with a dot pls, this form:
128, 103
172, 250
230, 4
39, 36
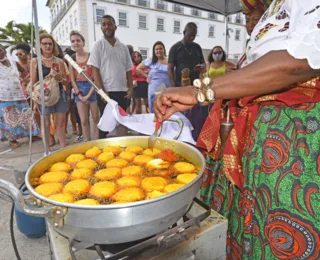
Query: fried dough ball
151, 152
119, 202
163, 173
87, 202
129, 156
154, 194
81, 173
62, 197
53, 177
116, 150
173, 187
186, 178
75, 158
129, 181
60, 167
48, 189
184, 167
157, 164
129, 195
134, 149
108, 174
142, 159
77, 187
105, 157
93, 152
88, 164
117, 163
150, 184
132, 170
103, 189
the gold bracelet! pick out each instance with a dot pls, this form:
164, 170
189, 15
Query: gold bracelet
205, 94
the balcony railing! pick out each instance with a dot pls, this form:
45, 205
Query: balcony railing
160, 5
143, 3
177, 9
123, 1
195, 12
55, 20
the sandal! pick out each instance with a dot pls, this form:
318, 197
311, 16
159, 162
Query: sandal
14, 144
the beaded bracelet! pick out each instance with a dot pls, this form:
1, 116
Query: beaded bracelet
205, 94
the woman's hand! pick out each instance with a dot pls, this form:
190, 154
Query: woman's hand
58, 77
135, 83
83, 99
36, 108
174, 100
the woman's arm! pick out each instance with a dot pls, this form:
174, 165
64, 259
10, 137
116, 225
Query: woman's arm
140, 70
73, 80
64, 80
34, 72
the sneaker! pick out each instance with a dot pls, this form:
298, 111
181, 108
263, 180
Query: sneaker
78, 139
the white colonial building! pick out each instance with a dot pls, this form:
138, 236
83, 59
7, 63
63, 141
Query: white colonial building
143, 22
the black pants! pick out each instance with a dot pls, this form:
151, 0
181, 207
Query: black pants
118, 96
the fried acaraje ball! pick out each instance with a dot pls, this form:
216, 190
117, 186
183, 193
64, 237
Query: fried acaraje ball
93, 152
116, 150
186, 178
184, 167
88, 164
163, 173
77, 187
48, 189
75, 158
129, 181
151, 152
129, 195
134, 148
117, 163
81, 173
60, 167
120, 202
173, 187
129, 156
142, 159
150, 184
53, 177
132, 170
154, 194
103, 189
158, 164
108, 174
87, 202
62, 197
105, 157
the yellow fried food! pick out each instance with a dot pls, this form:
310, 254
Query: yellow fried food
173, 187
48, 189
154, 194
132, 170
105, 157
158, 164
60, 167
53, 177
75, 158
184, 167
151, 152
129, 181
108, 174
142, 159
62, 197
77, 187
93, 152
103, 189
129, 195
88, 164
163, 173
81, 173
150, 184
117, 163
116, 150
129, 156
120, 202
87, 202
134, 148
186, 177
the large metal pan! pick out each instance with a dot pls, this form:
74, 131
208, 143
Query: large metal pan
110, 224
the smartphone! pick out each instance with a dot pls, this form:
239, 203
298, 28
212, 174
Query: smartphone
55, 67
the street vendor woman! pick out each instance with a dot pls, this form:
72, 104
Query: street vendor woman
269, 183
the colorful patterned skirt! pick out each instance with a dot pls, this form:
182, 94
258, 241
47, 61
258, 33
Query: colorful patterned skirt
15, 120
277, 215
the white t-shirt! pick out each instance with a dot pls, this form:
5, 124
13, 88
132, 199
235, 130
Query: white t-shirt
114, 62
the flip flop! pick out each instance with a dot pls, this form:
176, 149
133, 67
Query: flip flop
14, 144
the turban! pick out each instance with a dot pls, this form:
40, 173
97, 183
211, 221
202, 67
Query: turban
249, 5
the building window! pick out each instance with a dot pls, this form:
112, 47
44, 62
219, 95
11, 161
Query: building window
239, 19
66, 25
211, 31
176, 26
160, 24
123, 19
212, 16
144, 3
195, 12
99, 13
161, 5
71, 22
62, 31
123, 1
236, 57
144, 53
237, 35
75, 19
142, 21
229, 19
177, 9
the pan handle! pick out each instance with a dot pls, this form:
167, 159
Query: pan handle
179, 122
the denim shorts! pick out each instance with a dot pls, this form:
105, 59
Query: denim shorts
85, 87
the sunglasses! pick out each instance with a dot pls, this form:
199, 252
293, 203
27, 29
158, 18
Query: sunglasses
218, 52
47, 43
19, 54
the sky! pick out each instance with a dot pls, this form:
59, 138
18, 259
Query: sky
20, 11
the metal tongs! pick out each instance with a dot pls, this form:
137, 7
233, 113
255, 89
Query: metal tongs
153, 137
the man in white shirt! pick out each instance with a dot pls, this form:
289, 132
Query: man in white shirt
111, 66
